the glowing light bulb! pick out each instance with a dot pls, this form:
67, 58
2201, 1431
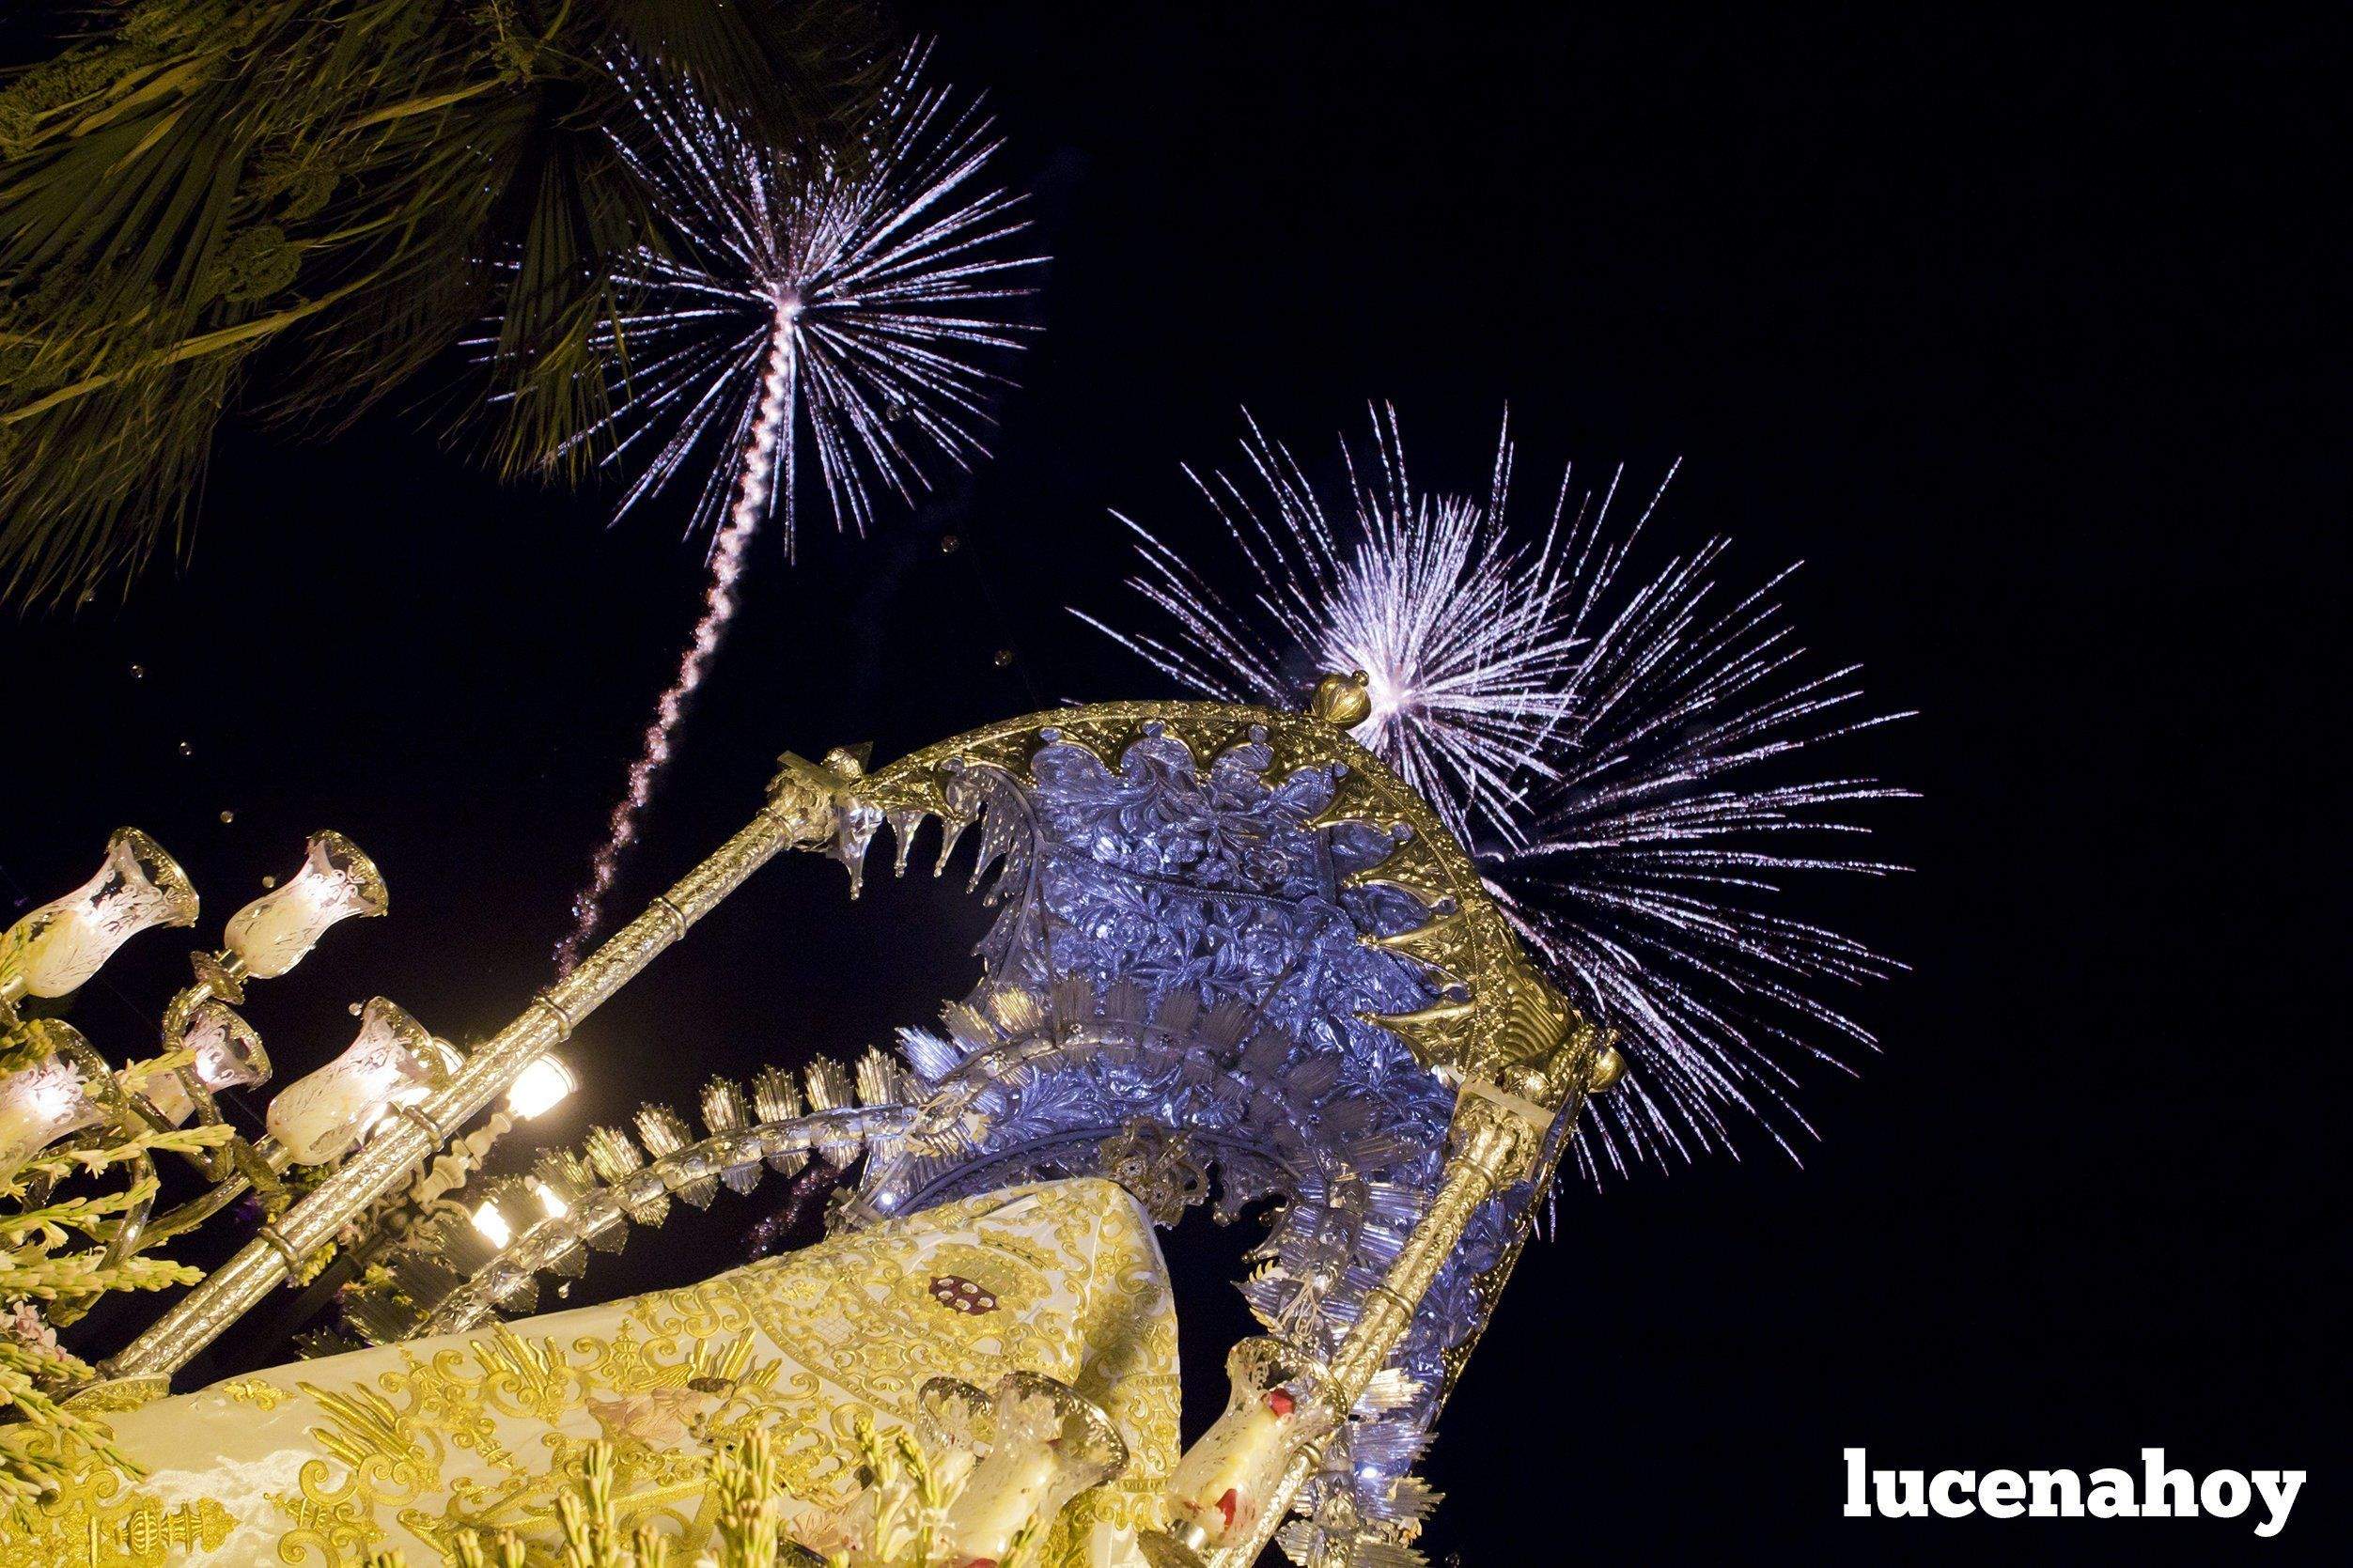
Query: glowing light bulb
550, 1200
541, 1087
492, 1225
52, 951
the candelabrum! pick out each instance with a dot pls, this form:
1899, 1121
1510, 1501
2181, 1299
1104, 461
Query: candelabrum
349, 1145
59, 1096
396, 1096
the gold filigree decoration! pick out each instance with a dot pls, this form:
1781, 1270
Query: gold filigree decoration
116, 1394
661, 1389
95, 1519
255, 1392
1156, 1164
417, 1445
485, 1434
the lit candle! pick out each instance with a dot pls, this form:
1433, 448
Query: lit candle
50, 1099
393, 1060
951, 1414
271, 934
229, 1056
61, 944
1223, 1481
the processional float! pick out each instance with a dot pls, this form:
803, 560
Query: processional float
1230, 942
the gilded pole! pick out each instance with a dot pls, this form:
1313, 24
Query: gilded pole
799, 813
1496, 1138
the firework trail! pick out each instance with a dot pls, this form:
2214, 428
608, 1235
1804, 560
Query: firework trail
854, 301
1631, 755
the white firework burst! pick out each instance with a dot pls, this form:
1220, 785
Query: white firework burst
1659, 866
870, 285
1468, 640
1631, 756
853, 300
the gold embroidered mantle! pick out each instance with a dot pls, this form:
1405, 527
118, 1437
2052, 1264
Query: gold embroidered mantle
325, 1461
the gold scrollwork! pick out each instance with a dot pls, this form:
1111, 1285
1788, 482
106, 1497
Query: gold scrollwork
95, 1521
255, 1392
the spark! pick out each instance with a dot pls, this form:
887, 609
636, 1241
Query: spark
1631, 755
1467, 638
1657, 868
855, 301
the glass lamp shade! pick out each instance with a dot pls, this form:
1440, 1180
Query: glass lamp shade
954, 1420
393, 1062
271, 934
61, 944
52, 1096
1225, 1480
229, 1056
1045, 1445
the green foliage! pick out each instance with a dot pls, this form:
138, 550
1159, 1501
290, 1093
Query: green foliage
300, 204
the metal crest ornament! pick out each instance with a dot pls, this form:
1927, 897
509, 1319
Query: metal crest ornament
1158, 1169
1489, 1014
1641, 755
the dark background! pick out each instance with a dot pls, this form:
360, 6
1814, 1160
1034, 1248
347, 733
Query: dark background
2011, 330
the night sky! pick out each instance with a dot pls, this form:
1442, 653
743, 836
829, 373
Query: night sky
2009, 331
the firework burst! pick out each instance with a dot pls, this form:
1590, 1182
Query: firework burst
1657, 866
1632, 756
857, 303
1468, 640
